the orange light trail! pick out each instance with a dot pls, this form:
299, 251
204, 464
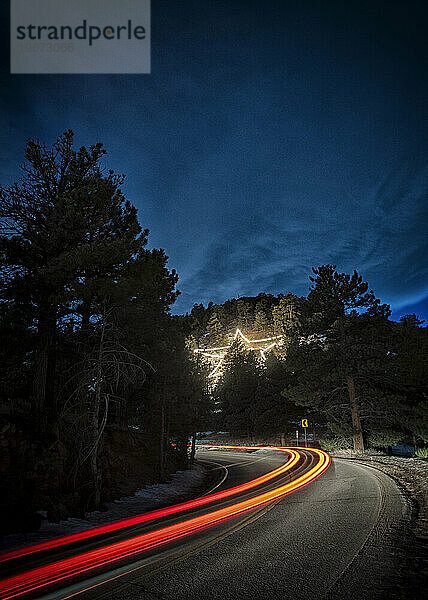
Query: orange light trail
61, 570
156, 514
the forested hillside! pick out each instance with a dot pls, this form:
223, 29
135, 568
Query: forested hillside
336, 357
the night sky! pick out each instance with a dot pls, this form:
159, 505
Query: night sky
270, 137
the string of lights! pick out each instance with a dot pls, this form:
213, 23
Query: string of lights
217, 355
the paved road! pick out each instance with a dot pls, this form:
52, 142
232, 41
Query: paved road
85, 560
325, 541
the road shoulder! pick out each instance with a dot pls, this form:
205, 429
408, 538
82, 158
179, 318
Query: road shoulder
406, 544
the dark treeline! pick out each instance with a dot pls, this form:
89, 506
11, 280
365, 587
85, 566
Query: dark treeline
340, 361
98, 390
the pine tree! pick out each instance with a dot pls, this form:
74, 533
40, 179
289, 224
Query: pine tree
287, 320
85, 309
236, 392
68, 236
215, 330
409, 377
244, 314
261, 323
345, 341
275, 415
199, 317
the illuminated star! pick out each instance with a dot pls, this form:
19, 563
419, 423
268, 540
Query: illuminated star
216, 355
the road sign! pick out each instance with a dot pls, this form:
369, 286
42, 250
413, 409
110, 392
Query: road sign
305, 423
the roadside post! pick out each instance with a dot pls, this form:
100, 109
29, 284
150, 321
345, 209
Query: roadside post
305, 428
297, 437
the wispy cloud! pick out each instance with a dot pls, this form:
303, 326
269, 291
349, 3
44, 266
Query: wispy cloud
383, 235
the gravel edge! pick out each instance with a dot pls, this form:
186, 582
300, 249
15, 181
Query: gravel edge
409, 543
410, 480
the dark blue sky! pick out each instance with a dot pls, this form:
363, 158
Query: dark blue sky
270, 137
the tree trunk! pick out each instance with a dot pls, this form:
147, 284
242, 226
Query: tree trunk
193, 449
96, 430
85, 312
162, 470
95, 434
356, 425
45, 404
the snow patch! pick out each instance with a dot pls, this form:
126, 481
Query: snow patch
145, 499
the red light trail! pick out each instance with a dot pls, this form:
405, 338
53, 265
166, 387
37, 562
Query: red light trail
156, 514
85, 562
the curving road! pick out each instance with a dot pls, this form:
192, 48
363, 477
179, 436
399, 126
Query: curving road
329, 540
321, 541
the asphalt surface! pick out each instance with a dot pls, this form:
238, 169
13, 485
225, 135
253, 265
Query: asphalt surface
331, 539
